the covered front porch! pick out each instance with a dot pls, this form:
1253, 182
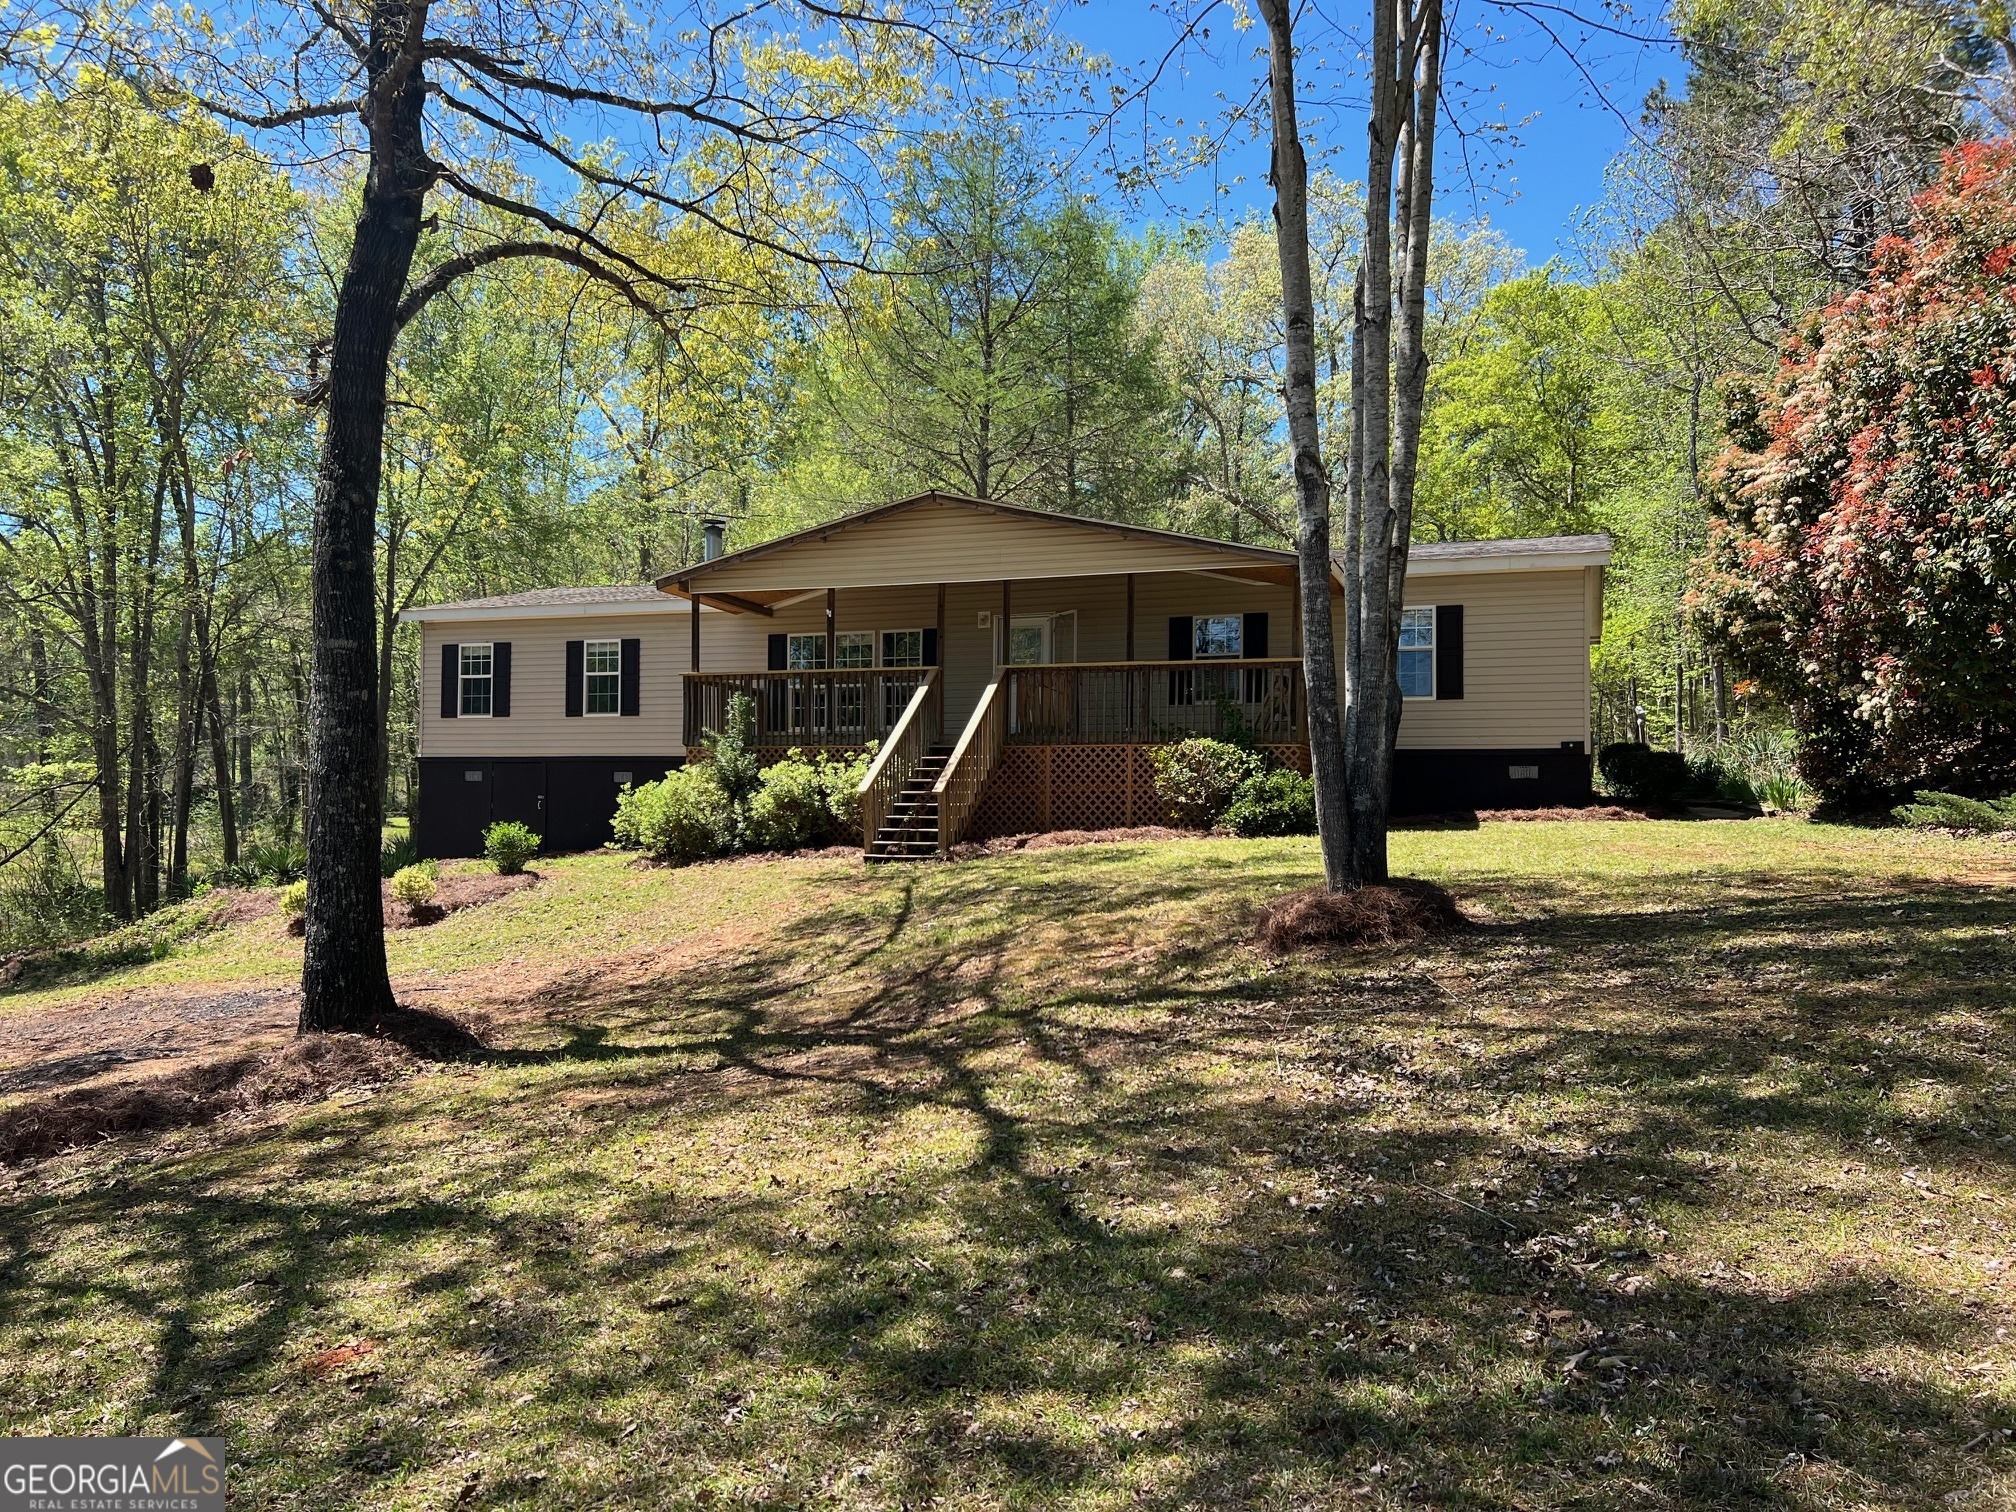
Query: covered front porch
1025, 685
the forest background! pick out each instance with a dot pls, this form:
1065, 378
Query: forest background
1038, 334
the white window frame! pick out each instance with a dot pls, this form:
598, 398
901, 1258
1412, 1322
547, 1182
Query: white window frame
1197, 624
791, 644
882, 641
846, 640
589, 676
1428, 650
464, 677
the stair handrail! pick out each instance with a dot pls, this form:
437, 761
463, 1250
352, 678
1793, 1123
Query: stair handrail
899, 756
971, 763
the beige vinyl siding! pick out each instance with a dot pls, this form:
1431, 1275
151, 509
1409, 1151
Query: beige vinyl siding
1526, 662
538, 724
1526, 639
937, 543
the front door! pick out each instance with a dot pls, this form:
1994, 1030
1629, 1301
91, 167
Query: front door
1030, 641
518, 791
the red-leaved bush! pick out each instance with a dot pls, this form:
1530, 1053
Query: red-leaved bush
1862, 560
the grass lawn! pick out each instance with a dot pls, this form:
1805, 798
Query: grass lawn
1027, 1182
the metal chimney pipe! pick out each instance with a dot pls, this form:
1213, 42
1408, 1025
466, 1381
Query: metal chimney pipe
711, 532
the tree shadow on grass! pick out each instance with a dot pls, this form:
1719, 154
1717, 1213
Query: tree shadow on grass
1059, 1257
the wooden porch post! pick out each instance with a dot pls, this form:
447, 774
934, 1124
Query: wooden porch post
1007, 612
1295, 620
941, 626
1130, 616
832, 629
696, 627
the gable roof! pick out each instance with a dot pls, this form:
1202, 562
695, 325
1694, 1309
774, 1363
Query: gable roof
1528, 553
948, 538
611, 598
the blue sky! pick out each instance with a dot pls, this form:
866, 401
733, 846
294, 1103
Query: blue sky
1569, 115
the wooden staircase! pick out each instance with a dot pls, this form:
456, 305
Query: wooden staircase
910, 830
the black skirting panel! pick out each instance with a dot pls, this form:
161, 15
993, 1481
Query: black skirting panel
567, 801
1450, 782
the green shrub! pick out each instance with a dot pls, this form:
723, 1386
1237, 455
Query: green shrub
1274, 803
509, 846
1634, 770
1951, 811
273, 863
399, 854
803, 801
1197, 778
416, 885
685, 816
294, 900
1784, 792
45, 904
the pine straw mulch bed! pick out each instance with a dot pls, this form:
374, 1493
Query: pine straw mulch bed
1001, 845
1397, 912
305, 1070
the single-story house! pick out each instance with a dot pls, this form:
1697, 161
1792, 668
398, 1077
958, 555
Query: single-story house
1017, 667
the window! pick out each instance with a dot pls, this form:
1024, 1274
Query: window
805, 653
854, 648
1029, 643
1217, 635
902, 648
476, 681
602, 661
1417, 653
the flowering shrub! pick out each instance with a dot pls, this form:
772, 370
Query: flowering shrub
1862, 561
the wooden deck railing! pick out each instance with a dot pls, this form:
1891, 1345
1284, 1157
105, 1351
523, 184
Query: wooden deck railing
848, 707
972, 762
919, 728
1131, 703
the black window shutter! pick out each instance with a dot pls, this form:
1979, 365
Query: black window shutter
451, 681
500, 680
631, 677
931, 647
576, 656
779, 653
1254, 636
1182, 644
1448, 651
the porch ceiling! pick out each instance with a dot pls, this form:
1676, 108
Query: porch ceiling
943, 538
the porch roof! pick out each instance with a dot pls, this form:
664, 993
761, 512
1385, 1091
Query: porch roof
947, 538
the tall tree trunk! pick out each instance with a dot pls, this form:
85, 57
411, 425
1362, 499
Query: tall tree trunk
344, 982
220, 758
1389, 370
188, 719
143, 782
243, 706
1312, 481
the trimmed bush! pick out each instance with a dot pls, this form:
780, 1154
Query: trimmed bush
294, 900
684, 816
416, 885
1274, 803
1634, 770
1197, 778
803, 801
1979, 816
509, 846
